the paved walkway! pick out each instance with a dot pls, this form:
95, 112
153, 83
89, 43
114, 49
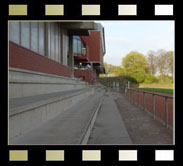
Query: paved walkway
142, 128
109, 127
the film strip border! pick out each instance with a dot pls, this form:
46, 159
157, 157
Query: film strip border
92, 10
89, 155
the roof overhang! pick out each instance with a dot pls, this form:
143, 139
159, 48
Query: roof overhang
79, 28
79, 32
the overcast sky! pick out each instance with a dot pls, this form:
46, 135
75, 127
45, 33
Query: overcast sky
121, 37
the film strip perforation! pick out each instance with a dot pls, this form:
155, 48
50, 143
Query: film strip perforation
90, 155
87, 155
92, 9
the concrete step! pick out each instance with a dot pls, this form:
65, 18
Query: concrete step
68, 127
109, 127
27, 113
24, 83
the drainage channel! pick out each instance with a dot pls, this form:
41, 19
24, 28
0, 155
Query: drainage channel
86, 134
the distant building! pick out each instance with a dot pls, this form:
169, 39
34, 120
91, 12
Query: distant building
89, 59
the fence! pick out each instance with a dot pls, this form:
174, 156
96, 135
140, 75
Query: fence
160, 106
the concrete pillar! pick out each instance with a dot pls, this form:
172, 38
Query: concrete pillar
65, 49
71, 56
128, 84
46, 41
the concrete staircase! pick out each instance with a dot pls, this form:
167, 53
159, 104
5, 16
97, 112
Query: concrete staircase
62, 121
35, 98
51, 110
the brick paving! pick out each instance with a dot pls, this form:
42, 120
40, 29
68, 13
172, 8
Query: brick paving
141, 127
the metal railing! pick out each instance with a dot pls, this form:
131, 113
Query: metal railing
134, 96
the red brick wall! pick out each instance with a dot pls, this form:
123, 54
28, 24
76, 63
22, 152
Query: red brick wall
149, 102
23, 58
170, 112
159, 104
83, 73
160, 107
94, 43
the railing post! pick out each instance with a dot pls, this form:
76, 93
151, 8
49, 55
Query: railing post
166, 111
154, 105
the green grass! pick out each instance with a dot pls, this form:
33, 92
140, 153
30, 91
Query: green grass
161, 90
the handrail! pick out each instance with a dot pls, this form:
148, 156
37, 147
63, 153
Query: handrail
154, 93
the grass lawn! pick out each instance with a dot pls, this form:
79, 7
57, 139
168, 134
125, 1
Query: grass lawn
161, 90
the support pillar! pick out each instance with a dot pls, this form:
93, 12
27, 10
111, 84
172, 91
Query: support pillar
71, 56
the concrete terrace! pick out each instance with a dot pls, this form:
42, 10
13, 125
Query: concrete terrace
101, 117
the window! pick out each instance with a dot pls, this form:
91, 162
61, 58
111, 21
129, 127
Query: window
41, 38
52, 40
83, 49
14, 32
34, 36
75, 46
25, 34
79, 46
56, 44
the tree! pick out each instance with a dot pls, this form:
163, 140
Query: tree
170, 62
139, 76
112, 70
150, 79
164, 63
151, 62
135, 65
116, 70
107, 68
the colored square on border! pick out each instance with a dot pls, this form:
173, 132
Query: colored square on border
127, 155
163, 10
91, 155
54, 10
15, 10
127, 10
54, 155
18, 155
164, 155
90, 10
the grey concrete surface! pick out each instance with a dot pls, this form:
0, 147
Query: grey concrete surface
15, 104
27, 117
109, 127
24, 83
66, 128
